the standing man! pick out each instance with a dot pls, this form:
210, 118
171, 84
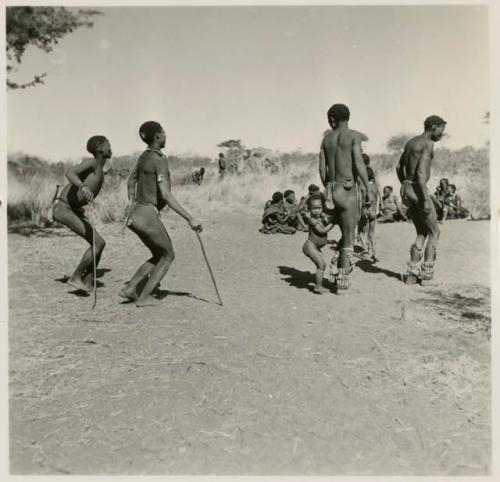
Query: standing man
150, 178
341, 164
414, 170
222, 165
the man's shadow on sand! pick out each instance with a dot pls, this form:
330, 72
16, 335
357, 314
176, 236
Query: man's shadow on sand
368, 266
83, 294
160, 294
303, 279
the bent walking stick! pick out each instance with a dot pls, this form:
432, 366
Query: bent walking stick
208, 266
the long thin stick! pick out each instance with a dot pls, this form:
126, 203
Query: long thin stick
208, 266
95, 270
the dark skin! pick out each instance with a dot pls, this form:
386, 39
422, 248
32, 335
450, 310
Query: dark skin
151, 184
341, 160
86, 181
318, 229
415, 168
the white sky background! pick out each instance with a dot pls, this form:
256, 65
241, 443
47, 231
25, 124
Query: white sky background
266, 75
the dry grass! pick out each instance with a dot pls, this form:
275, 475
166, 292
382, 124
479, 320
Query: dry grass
247, 190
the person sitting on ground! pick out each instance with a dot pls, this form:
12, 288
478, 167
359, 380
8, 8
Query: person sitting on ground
197, 176
454, 202
292, 207
274, 219
439, 199
319, 224
391, 207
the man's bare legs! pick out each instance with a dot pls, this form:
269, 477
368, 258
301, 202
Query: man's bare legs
63, 213
147, 225
346, 202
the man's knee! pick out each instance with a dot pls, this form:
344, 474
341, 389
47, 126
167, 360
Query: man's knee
166, 255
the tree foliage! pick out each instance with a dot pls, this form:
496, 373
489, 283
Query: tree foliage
41, 27
397, 143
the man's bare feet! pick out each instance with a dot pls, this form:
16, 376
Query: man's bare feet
411, 279
78, 284
128, 293
149, 301
319, 290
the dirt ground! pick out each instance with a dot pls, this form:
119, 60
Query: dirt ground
382, 379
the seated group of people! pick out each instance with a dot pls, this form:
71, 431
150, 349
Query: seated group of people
284, 215
390, 208
447, 202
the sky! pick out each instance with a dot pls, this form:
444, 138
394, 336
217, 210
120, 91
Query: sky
265, 75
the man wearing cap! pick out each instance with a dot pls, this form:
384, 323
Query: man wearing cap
341, 166
414, 170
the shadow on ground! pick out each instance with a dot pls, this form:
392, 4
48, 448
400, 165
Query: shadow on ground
302, 279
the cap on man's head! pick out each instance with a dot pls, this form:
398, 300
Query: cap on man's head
313, 188
434, 120
339, 112
148, 130
94, 143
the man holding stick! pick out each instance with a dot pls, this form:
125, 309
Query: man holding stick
152, 178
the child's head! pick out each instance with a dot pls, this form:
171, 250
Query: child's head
202, 171
277, 197
443, 183
152, 131
387, 191
313, 188
289, 195
99, 145
452, 188
315, 205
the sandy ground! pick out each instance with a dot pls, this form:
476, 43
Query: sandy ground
383, 379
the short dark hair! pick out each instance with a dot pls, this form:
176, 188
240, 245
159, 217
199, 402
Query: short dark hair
288, 192
315, 197
277, 196
148, 130
453, 187
94, 143
313, 188
366, 158
339, 112
202, 170
433, 120
389, 187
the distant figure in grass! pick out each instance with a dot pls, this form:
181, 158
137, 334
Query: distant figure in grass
368, 213
341, 167
222, 165
197, 176
292, 207
414, 170
319, 225
86, 181
275, 218
150, 179
391, 207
